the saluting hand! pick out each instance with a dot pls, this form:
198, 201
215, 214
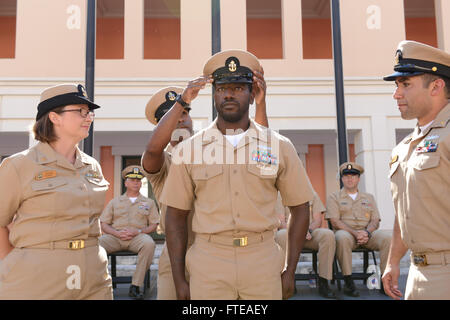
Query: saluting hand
259, 86
194, 86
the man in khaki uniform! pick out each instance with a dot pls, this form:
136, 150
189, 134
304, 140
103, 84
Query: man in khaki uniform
232, 179
355, 217
420, 174
156, 161
127, 221
172, 121
319, 239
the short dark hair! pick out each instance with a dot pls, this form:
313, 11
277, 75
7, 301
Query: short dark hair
43, 128
428, 78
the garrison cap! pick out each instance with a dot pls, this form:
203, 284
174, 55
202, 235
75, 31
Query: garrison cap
351, 168
414, 58
161, 102
63, 95
133, 172
232, 66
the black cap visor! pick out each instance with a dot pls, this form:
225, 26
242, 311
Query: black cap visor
351, 171
397, 74
63, 100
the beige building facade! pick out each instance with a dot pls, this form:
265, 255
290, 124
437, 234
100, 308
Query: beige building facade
143, 45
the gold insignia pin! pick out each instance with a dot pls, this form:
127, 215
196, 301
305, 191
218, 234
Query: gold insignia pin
232, 66
349, 167
397, 58
135, 170
394, 159
434, 69
172, 96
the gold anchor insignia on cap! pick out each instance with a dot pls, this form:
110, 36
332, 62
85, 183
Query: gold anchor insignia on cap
135, 170
171, 95
82, 90
434, 69
349, 167
232, 66
398, 56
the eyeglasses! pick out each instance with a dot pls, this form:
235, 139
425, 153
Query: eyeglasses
83, 112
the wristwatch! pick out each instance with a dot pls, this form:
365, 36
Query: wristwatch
180, 100
368, 233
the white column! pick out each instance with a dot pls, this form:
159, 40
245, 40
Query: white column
331, 168
134, 29
442, 12
373, 146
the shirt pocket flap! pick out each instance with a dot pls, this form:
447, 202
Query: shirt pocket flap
206, 172
48, 184
426, 162
264, 172
98, 182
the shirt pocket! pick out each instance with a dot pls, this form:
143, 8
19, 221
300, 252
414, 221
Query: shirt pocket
48, 185
98, 184
263, 172
207, 172
425, 161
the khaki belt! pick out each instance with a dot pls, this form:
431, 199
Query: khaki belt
424, 259
67, 244
237, 241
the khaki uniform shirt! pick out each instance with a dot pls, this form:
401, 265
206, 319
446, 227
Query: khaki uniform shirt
51, 198
357, 213
420, 186
121, 212
238, 191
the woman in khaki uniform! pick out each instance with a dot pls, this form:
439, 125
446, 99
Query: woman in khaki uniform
56, 194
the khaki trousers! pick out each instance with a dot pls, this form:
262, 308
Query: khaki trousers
345, 243
323, 241
142, 244
430, 282
219, 271
58, 274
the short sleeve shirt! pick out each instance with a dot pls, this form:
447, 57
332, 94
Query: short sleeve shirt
420, 186
357, 213
121, 212
235, 188
52, 198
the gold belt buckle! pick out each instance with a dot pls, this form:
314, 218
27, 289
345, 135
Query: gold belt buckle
76, 244
240, 242
420, 260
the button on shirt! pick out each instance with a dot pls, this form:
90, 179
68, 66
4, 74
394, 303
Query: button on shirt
420, 186
355, 213
121, 212
235, 188
51, 198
